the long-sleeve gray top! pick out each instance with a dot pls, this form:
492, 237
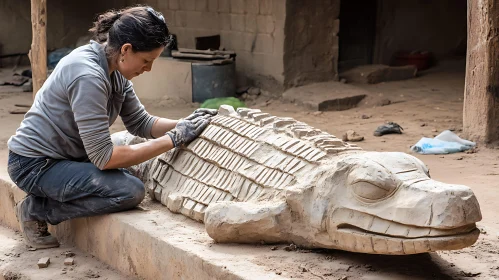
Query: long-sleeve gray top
72, 112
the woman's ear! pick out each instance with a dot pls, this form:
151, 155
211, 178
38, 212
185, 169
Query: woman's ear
126, 48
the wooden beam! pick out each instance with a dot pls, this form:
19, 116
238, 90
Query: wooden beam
481, 93
38, 52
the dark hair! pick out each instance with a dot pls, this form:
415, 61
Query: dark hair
141, 26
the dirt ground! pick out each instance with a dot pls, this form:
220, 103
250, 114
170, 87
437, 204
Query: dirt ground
423, 106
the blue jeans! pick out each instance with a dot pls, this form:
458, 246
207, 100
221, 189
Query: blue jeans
60, 190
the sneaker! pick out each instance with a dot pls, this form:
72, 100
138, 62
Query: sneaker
388, 128
35, 233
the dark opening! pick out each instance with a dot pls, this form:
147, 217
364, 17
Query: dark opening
357, 33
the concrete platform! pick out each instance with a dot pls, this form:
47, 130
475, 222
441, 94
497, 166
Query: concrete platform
153, 244
328, 96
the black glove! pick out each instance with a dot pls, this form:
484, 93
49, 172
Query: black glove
187, 130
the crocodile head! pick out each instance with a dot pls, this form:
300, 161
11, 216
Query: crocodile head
386, 203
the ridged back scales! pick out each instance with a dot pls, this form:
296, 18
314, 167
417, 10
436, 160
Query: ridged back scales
248, 156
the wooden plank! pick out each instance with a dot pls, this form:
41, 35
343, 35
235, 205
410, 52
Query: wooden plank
38, 52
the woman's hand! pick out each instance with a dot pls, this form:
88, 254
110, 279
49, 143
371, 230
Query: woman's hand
189, 129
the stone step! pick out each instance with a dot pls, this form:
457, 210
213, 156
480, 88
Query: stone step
151, 243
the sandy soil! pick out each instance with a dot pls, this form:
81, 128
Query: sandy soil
423, 106
19, 263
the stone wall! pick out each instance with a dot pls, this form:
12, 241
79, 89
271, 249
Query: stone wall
66, 22
311, 45
252, 28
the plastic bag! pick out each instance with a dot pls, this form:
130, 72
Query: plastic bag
446, 142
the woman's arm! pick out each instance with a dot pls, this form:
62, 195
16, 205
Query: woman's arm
185, 131
126, 156
161, 126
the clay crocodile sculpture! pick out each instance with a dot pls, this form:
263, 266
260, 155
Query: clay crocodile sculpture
252, 177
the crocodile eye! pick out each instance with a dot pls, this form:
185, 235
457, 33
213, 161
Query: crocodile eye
369, 191
371, 182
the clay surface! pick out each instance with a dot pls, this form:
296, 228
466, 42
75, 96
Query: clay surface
252, 177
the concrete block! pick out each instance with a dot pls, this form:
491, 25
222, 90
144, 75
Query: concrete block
237, 6
224, 22
162, 6
180, 19
174, 4
252, 6
279, 9
171, 78
237, 22
328, 96
373, 74
224, 6
273, 65
213, 5
202, 20
201, 5
265, 7
249, 41
264, 44
44, 262
265, 24
278, 41
169, 17
69, 261
188, 5
250, 23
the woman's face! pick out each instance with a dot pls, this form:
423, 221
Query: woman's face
132, 64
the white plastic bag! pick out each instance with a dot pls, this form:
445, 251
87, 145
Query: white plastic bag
446, 142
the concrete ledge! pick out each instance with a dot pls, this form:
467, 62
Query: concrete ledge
151, 244
377, 73
327, 96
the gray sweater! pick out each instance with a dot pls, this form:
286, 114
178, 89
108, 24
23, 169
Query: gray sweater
73, 110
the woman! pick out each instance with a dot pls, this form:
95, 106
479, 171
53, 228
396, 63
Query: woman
62, 155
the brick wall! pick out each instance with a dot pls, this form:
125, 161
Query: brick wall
252, 28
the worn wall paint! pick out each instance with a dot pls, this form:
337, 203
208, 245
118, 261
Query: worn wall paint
311, 41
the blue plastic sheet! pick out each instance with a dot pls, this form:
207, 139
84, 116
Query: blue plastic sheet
445, 143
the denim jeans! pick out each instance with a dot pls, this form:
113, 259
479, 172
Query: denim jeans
59, 190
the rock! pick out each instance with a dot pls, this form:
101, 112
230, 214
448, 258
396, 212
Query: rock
383, 102
273, 248
69, 261
365, 117
43, 262
291, 247
318, 113
423, 124
254, 91
304, 269
68, 254
343, 81
352, 136
434, 130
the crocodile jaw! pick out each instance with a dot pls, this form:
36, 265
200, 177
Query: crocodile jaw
356, 240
